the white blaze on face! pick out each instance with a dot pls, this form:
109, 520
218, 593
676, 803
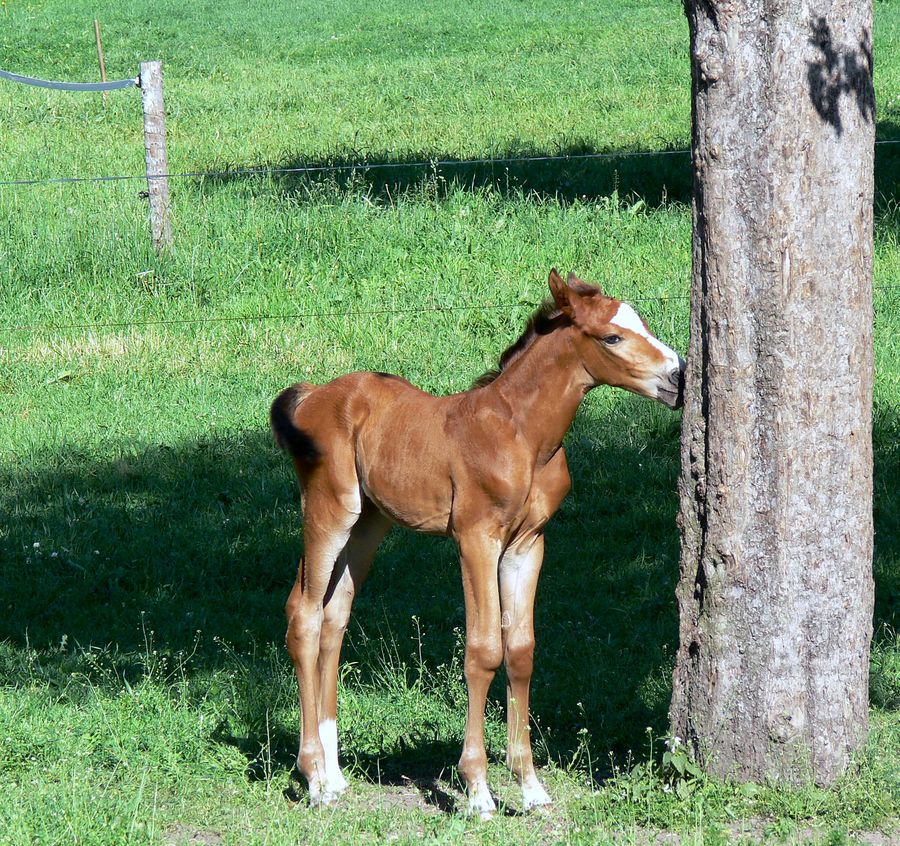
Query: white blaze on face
627, 318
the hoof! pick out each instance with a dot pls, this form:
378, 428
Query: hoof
481, 803
534, 796
327, 794
335, 784
323, 799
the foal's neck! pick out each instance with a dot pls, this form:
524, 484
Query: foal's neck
543, 388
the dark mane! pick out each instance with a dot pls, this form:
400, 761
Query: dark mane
544, 320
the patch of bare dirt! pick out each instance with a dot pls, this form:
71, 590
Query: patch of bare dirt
188, 835
757, 830
430, 795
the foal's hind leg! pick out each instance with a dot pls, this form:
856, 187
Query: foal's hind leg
328, 522
351, 571
519, 571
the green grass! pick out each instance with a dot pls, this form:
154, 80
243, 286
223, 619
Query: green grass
149, 530
362, 79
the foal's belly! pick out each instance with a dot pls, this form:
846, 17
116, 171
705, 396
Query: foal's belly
433, 518
406, 474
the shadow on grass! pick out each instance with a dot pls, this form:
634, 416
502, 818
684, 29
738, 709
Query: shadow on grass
138, 552
887, 171
886, 444
575, 172
420, 766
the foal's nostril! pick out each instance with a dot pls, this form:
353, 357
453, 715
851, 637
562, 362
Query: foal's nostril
676, 376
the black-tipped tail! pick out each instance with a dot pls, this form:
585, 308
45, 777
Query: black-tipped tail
288, 436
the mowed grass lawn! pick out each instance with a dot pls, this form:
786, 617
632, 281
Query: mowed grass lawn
149, 529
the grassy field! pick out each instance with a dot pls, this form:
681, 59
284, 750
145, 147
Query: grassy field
149, 530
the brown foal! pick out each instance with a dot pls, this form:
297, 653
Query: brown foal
485, 467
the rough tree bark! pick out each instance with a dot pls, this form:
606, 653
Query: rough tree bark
776, 593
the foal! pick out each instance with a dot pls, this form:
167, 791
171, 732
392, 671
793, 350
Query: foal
485, 467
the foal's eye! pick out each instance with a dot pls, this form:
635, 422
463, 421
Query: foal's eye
611, 339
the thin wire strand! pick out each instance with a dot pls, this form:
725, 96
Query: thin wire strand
251, 318
308, 315
365, 166
269, 171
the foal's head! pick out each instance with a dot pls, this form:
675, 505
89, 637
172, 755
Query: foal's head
615, 345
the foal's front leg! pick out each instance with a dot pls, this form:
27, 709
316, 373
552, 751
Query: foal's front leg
479, 557
519, 571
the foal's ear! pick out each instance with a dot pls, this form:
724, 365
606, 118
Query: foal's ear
574, 282
562, 296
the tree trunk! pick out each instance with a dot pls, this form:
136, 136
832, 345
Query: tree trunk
776, 592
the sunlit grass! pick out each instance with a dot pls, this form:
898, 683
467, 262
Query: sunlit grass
148, 527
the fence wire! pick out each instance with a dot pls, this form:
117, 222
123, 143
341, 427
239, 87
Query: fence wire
258, 318
34, 328
435, 164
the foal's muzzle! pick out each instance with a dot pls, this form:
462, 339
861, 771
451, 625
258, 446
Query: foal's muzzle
671, 391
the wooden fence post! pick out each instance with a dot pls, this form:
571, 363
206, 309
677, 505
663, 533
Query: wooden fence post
155, 151
100, 58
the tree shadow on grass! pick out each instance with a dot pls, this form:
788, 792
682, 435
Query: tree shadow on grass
574, 172
886, 445
887, 171
138, 551
421, 766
